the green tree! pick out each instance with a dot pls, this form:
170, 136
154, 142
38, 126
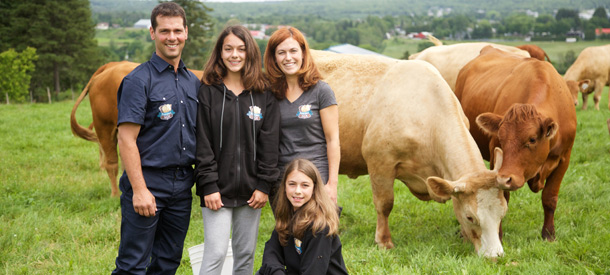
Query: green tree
16, 69
200, 29
62, 33
601, 13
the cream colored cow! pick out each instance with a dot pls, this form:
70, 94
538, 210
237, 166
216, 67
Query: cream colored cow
449, 59
400, 120
591, 71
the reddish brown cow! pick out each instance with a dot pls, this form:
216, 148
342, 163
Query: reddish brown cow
102, 89
535, 52
523, 106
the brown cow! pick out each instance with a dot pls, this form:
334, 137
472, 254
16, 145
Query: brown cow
591, 71
523, 106
102, 89
535, 52
400, 120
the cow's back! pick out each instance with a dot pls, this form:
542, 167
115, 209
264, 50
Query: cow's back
591, 63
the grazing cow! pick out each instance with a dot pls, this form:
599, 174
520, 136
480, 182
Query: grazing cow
449, 59
400, 120
102, 89
523, 106
591, 71
535, 52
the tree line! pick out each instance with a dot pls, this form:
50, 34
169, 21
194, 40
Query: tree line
66, 52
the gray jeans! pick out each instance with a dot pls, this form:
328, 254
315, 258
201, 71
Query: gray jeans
217, 227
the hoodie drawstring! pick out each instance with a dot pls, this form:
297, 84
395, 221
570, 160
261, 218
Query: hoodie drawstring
222, 113
253, 125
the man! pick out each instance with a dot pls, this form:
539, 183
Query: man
157, 106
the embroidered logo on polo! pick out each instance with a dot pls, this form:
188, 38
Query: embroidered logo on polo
255, 113
304, 111
297, 245
165, 112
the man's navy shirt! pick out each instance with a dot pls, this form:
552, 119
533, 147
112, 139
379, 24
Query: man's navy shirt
164, 104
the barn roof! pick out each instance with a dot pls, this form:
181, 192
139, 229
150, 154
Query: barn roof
142, 24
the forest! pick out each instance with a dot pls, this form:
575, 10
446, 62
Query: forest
69, 48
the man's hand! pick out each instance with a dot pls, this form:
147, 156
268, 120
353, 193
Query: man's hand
144, 203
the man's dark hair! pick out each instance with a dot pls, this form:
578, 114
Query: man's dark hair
167, 9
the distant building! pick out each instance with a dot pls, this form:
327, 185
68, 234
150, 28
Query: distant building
102, 26
260, 35
351, 49
602, 32
142, 24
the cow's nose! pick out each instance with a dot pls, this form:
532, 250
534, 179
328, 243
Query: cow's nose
509, 182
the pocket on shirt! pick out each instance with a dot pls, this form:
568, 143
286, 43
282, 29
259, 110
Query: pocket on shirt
164, 105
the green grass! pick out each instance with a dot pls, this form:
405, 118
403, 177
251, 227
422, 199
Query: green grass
56, 216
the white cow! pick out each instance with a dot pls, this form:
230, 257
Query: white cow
449, 59
400, 120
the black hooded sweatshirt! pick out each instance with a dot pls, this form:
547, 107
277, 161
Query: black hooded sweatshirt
240, 157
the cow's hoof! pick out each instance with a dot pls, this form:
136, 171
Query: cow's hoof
548, 236
386, 245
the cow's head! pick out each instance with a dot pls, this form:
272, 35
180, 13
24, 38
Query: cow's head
525, 137
573, 88
479, 205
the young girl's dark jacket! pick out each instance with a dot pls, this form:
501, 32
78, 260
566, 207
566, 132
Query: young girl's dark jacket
241, 156
315, 255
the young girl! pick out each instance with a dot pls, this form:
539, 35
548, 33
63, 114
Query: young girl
309, 111
305, 239
237, 150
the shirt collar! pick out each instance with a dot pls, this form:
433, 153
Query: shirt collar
161, 64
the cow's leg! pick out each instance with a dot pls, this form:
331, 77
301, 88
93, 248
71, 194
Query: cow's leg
585, 97
383, 198
110, 160
549, 197
597, 95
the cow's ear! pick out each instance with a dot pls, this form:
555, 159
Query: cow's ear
489, 123
439, 189
549, 128
584, 85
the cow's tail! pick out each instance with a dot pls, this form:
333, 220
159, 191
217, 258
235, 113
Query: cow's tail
435, 40
77, 129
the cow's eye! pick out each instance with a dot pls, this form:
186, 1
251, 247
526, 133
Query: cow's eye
532, 140
470, 219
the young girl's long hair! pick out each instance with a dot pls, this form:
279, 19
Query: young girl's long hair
319, 213
252, 76
308, 74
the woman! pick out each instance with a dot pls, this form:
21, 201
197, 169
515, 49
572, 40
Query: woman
305, 239
237, 149
309, 113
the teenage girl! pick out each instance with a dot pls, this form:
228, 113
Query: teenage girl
305, 239
237, 150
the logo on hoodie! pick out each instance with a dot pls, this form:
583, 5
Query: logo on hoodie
255, 113
297, 245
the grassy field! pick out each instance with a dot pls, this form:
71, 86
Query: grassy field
56, 216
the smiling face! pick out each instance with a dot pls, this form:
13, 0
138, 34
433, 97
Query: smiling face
289, 56
169, 36
233, 53
299, 188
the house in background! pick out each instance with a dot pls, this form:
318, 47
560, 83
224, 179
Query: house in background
351, 49
142, 24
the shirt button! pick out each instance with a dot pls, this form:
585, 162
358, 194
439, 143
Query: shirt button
182, 125
181, 101
183, 149
164, 98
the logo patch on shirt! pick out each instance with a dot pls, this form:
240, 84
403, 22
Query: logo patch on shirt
304, 111
297, 245
165, 112
255, 113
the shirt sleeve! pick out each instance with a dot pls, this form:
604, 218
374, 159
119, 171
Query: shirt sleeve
131, 101
206, 169
273, 257
317, 251
326, 96
268, 146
